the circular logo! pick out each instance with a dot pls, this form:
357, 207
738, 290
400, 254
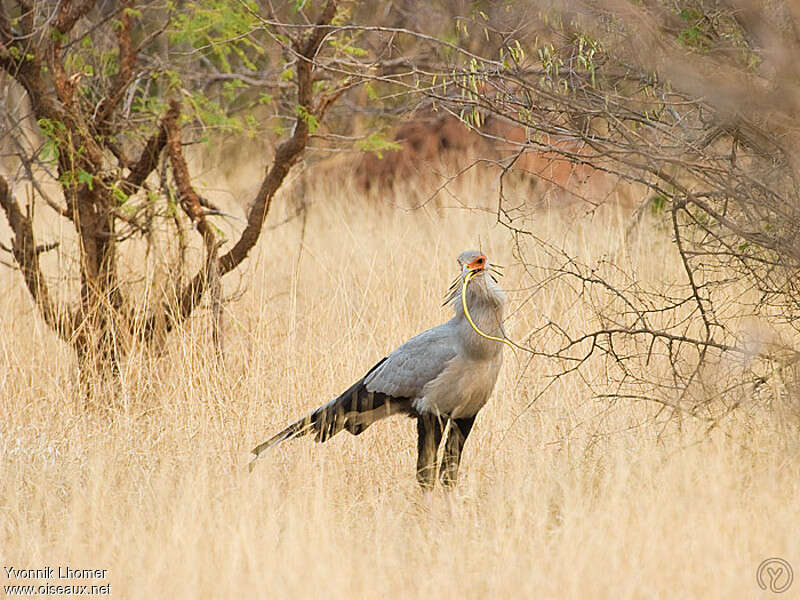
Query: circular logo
775, 575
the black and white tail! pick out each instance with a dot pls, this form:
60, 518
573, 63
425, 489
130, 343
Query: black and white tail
355, 410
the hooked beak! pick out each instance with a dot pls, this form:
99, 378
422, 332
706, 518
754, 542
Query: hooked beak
478, 265
470, 268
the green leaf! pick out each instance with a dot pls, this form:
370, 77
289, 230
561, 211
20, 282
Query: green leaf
86, 178
375, 142
309, 119
120, 196
371, 93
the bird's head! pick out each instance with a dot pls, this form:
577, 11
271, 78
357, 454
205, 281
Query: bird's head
473, 260
477, 263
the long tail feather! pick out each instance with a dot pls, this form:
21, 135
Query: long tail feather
355, 410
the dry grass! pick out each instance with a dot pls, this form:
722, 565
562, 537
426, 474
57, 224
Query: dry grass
565, 497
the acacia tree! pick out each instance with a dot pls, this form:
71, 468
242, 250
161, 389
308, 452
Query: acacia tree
696, 102
103, 83
100, 95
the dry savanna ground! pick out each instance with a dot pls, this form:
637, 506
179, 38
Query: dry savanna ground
561, 496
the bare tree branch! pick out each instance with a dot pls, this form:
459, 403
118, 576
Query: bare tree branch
26, 255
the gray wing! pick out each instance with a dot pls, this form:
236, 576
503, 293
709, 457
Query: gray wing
406, 370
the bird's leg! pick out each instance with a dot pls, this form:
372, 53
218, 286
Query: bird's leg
459, 430
429, 430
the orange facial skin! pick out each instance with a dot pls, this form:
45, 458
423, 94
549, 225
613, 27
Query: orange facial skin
478, 264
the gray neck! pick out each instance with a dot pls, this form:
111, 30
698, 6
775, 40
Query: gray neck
485, 302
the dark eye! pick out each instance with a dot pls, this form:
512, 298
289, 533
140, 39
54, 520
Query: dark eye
480, 261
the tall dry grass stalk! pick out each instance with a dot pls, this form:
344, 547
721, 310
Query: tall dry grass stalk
560, 497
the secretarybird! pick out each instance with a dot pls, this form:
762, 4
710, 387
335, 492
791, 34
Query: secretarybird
440, 377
